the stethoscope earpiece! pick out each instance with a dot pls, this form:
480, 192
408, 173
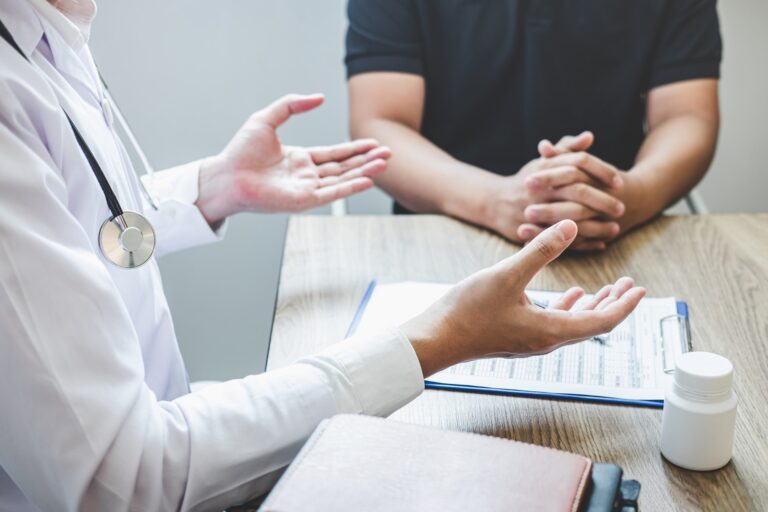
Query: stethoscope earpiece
127, 240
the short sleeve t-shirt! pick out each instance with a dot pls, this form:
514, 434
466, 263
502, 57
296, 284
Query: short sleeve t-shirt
501, 75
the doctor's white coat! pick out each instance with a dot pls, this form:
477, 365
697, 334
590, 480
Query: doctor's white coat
95, 412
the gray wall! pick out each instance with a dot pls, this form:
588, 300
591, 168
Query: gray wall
738, 180
188, 72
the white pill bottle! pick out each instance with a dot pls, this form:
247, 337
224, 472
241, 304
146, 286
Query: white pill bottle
699, 413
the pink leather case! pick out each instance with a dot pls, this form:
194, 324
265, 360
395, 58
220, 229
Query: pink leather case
359, 463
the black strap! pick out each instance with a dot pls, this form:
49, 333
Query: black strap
109, 194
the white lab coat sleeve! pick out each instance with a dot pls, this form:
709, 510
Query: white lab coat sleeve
81, 430
178, 223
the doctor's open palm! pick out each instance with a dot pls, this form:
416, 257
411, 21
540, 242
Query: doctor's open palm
255, 172
489, 314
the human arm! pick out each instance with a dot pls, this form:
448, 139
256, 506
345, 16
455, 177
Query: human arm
67, 342
683, 123
682, 113
387, 86
682, 109
421, 176
81, 430
424, 178
70, 353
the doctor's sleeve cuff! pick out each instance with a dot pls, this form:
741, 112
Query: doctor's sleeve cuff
381, 372
178, 222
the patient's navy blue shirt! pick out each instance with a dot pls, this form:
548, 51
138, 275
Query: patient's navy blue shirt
503, 74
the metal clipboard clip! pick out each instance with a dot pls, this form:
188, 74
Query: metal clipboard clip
685, 340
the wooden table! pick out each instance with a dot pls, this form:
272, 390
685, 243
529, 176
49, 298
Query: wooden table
718, 264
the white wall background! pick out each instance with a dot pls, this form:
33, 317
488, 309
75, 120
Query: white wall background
188, 72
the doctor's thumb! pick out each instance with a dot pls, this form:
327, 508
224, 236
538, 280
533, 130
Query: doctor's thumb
542, 250
291, 104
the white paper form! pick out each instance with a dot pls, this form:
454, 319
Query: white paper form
629, 365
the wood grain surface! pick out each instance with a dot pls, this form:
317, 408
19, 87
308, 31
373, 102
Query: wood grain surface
718, 264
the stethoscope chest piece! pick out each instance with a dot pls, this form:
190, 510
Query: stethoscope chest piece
127, 240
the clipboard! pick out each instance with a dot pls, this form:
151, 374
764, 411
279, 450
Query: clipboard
679, 321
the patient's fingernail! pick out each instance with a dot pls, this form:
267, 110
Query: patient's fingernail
617, 181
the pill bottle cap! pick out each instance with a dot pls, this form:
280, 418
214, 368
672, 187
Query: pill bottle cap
703, 374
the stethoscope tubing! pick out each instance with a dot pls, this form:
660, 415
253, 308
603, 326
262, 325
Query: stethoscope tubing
126, 239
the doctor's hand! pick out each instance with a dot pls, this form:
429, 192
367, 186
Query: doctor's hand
489, 315
255, 172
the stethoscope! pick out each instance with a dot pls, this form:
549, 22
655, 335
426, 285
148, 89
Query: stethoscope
126, 238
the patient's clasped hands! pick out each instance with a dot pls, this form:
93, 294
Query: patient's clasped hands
565, 182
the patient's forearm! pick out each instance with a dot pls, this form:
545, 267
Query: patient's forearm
426, 179
673, 159
676, 155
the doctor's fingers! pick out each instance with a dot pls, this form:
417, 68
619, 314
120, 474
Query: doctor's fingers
619, 288
591, 230
366, 170
336, 168
593, 234
567, 300
583, 324
591, 197
595, 167
281, 110
331, 193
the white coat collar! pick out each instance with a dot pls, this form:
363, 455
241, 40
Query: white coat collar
28, 21
68, 48
72, 35
23, 23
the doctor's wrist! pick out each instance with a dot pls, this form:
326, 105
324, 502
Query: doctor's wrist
439, 341
217, 198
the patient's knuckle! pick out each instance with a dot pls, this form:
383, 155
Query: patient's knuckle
582, 191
